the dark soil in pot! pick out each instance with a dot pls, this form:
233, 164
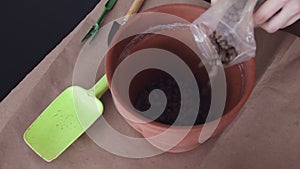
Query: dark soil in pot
151, 79
169, 86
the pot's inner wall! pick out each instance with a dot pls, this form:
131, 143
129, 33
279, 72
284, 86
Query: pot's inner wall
147, 80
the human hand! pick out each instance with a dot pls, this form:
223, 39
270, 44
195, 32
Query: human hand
276, 14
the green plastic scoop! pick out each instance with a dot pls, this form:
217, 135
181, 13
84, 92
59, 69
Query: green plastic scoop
65, 120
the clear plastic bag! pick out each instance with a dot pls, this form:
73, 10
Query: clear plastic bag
233, 19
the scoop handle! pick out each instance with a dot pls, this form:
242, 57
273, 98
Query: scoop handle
135, 7
100, 87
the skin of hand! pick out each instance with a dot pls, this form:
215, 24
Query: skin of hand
273, 15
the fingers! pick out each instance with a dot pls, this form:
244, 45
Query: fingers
294, 9
287, 16
292, 20
267, 10
278, 21
276, 14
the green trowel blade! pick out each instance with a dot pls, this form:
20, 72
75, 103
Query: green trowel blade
62, 122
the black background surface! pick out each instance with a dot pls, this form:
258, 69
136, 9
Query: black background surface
30, 30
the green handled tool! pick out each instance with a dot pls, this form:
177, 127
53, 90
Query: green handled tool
95, 28
65, 120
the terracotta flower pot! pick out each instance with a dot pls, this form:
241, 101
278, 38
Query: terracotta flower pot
239, 78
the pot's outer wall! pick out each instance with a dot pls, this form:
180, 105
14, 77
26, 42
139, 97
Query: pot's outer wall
190, 13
